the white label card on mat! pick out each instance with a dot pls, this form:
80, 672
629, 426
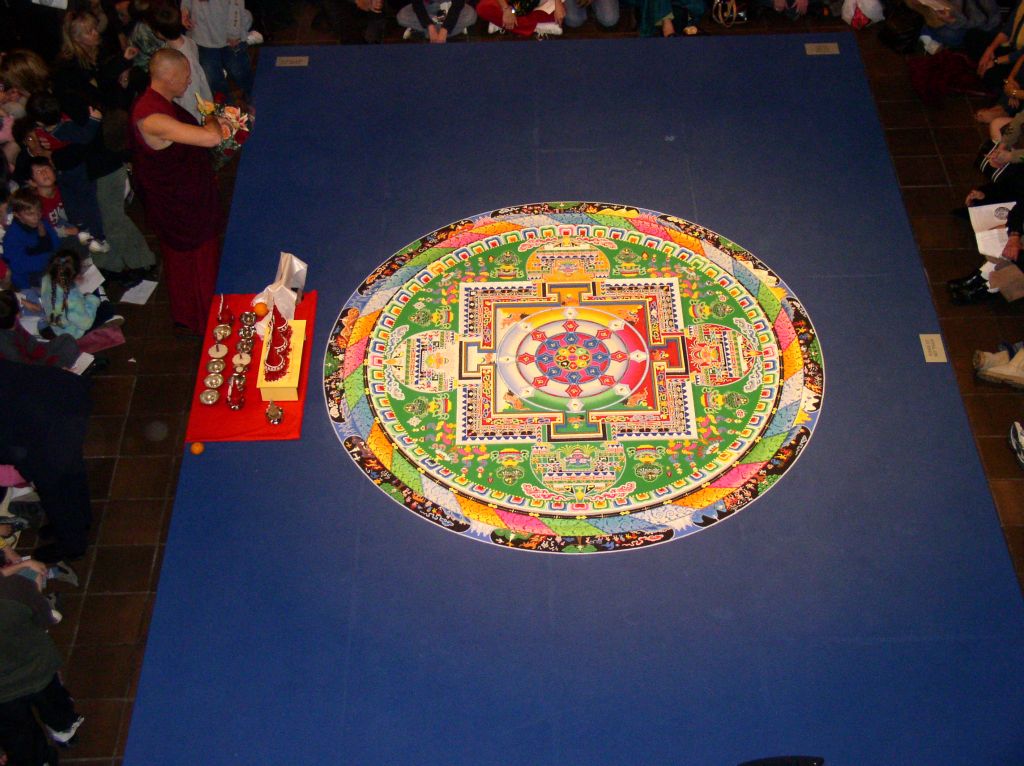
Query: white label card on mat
931, 344
821, 49
291, 61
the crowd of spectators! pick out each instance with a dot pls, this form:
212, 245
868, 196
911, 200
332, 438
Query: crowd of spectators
438, 21
981, 47
99, 101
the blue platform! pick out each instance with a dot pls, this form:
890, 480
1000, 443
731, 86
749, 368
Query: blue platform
864, 610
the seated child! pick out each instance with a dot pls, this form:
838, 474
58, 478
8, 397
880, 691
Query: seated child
12, 563
18, 345
43, 178
68, 141
67, 310
29, 242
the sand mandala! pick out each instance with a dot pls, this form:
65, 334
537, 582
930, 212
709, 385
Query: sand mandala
573, 377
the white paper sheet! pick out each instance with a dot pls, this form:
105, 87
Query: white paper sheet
985, 217
89, 279
82, 363
291, 272
989, 224
139, 294
992, 242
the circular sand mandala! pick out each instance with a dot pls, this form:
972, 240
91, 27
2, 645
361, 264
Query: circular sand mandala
573, 377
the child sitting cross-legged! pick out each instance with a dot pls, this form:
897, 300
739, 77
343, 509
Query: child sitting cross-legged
29, 242
67, 310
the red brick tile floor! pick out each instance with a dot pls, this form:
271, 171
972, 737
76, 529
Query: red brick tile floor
135, 439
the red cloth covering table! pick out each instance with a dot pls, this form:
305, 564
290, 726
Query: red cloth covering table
217, 423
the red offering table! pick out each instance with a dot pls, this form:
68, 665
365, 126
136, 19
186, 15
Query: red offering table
217, 423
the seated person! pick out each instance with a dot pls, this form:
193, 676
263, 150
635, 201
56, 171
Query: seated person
426, 17
69, 141
999, 65
67, 310
1002, 162
605, 11
522, 17
949, 25
18, 345
29, 242
33, 696
665, 18
975, 287
43, 180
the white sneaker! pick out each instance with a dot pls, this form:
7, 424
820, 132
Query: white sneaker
1011, 373
494, 29
407, 34
254, 38
99, 246
84, 237
63, 737
984, 359
548, 29
115, 321
931, 46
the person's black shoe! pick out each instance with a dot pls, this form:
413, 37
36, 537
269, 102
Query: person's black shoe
114, 276
320, 22
375, 28
14, 523
971, 282
27, 509
98, 365
977, 294
140, 274
51, 553
184, 331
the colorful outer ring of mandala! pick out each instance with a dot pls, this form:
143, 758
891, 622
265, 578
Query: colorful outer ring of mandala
788, 357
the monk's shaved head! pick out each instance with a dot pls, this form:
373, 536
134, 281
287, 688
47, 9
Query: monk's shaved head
166, 61
169, 73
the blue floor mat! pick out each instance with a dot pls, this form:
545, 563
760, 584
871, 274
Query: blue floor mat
865, 610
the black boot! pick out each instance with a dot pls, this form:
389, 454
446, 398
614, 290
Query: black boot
970, 282
977, 294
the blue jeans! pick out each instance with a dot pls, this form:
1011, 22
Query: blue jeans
234, 61
948, 36
79, 192
605, 11
407, 17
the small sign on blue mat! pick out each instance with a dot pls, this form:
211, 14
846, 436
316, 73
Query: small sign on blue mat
291, 61
931, 344
821, 49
